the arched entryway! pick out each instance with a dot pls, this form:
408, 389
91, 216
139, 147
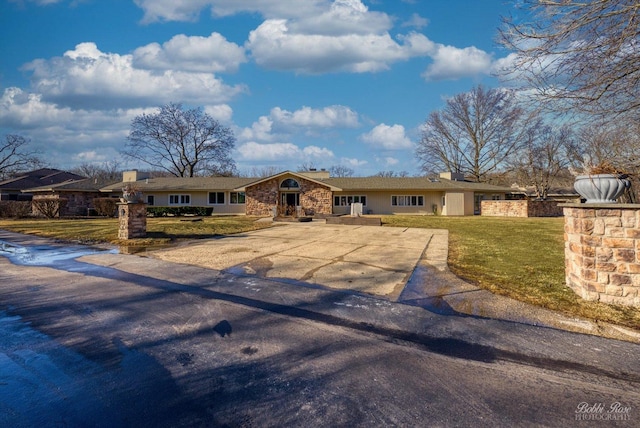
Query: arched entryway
289, 192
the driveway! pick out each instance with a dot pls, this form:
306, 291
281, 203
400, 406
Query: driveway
367, 259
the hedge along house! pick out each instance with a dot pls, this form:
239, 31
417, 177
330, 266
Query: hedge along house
315, 193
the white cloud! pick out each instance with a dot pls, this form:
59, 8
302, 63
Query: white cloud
90, 157
317, 152
416, 21
62, 132
273, 46
281, 123
335, 116
213, 54
450, 62
88, 78
343, 17
260, 130
189, 10
220, 112
253, 151
353, 162
387, 137
389, 161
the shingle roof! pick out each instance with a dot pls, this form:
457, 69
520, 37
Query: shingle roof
409, 183
85, 185
338, 184
183, 183
38, 178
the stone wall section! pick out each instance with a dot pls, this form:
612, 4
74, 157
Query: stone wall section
602, 252
262, 197
132, 220
520, 208
315, 199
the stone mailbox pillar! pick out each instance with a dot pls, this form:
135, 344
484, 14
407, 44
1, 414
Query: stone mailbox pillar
132, 220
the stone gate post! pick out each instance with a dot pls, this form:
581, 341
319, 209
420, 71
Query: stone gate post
132, 218
602, 252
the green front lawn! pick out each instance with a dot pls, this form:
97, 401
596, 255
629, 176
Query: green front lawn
160, 230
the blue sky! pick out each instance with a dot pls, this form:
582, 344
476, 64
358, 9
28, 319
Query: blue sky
322, 82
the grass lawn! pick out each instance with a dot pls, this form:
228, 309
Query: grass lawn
522, 258
159, 230
516, 257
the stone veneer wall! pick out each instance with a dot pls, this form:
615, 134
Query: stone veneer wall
315, 199
602, 252
520, 208
132, 220
261, 198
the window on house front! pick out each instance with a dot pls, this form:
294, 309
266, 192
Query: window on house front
289, 183
151, 200
407, 201
179, 199
345, 201
236, 197
216, 198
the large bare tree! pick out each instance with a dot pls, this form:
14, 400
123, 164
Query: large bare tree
16, 155
183, 142
474, 134
578, 55
544, 157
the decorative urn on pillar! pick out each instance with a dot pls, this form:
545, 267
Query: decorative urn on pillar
601, 184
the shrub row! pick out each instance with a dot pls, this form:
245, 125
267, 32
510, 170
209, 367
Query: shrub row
15, 209
178, 211
105, 206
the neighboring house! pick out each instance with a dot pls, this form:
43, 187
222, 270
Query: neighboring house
560, 194
315, 193
14, 189
77, 194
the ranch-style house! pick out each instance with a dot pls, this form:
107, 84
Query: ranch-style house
315, 193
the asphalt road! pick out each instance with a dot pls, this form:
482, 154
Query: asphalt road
120, 340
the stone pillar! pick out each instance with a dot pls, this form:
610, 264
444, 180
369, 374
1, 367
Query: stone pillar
602, 252
132, 218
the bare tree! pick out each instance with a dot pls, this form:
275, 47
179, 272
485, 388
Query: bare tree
265, 171
183, 142
582, 55
341, 171
543, 157
306, 166
105, 172
613, 142
17, 155
389, 174
474, 134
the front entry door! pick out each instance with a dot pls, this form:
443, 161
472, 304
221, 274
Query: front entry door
289, 202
